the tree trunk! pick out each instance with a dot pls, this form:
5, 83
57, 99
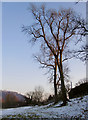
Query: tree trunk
63, 89
55, 85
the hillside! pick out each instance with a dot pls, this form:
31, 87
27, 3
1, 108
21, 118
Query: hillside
9, 99
76, 108
3, 95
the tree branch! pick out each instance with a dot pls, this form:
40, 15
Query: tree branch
44, 63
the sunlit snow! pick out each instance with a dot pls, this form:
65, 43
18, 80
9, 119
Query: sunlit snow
76, 108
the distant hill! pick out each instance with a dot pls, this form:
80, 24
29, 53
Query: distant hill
9, 98
18, 96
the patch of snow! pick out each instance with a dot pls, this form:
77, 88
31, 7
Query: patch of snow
77, 107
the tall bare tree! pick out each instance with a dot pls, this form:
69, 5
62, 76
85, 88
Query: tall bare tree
47, 61
55, 29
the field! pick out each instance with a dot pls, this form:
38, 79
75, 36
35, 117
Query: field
76, 108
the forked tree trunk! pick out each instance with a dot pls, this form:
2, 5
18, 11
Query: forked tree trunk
63, 89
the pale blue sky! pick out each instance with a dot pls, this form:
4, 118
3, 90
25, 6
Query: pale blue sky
20, 72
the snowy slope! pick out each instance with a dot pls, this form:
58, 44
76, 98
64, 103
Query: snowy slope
76, 108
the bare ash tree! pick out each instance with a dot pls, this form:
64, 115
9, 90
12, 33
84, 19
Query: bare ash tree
47, 61
56, 29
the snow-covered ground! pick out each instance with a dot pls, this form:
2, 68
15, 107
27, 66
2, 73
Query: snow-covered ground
76, 108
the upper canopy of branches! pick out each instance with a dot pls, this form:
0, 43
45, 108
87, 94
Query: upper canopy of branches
56, 28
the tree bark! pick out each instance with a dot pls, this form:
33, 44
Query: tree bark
63, 89
55, 85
